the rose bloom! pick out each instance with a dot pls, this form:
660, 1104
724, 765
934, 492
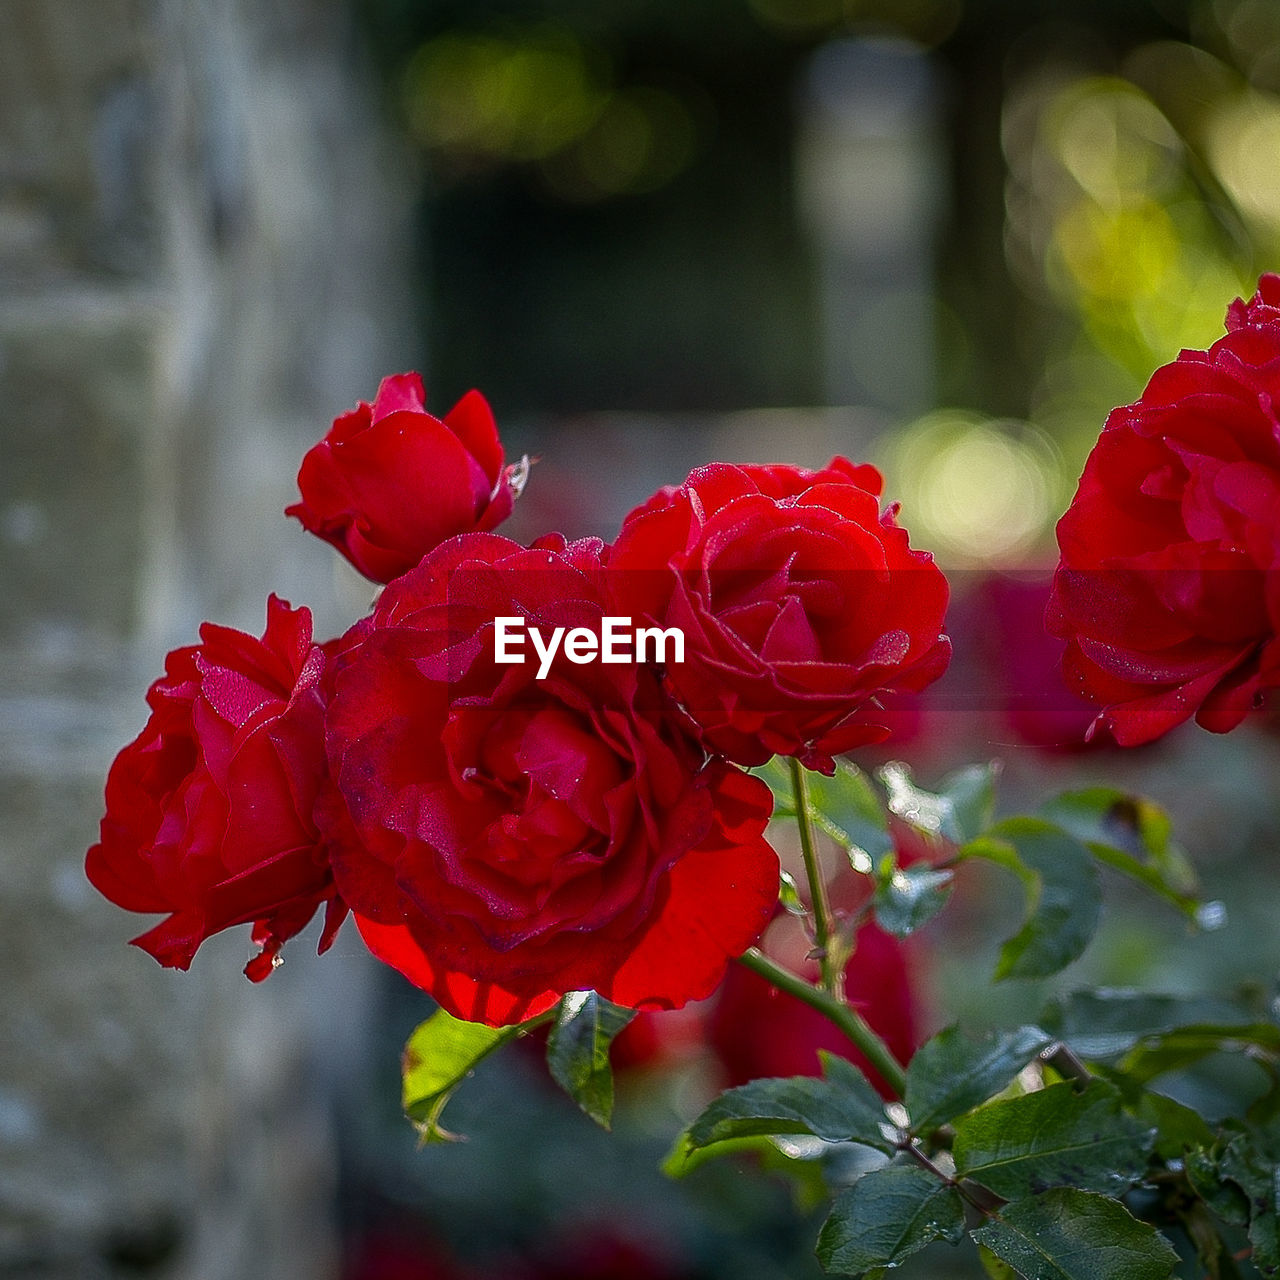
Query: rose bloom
1167, 592
522, 838
799, 601
209, 809
390, 481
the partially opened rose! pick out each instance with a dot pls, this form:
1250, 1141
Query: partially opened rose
210, 809
799, 601
390, 481
523, 837
1167, 592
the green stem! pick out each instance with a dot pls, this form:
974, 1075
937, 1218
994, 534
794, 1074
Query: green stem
831, 968
848, 1020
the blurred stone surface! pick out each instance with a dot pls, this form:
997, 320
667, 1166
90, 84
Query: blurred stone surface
202, 242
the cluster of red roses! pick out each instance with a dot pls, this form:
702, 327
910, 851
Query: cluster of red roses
502, 838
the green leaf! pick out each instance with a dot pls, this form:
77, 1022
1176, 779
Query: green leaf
886, 1216
953, 1072
994, 1267
578, 1051
908, 897
789, 895
440, 1054
776, 775
959, 810
1067, 1234
1064, 897
845, 807
1228, 1200
849, 810
1179, 1129
1055, 1137
1257, 1174
1157, 1055
1105, 1024
840, 1107
1132, 835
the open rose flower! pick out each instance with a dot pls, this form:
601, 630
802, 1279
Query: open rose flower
390, 481
524, 837
799, 601
1167, 592
209, 810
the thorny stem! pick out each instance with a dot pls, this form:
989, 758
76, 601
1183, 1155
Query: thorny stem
984, 1201
848, 1020
832, 970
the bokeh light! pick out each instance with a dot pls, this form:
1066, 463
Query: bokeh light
976, 491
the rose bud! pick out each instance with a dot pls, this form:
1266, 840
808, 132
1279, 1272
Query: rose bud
1167, 591
798, 599
390, 481
209, 809
523, 837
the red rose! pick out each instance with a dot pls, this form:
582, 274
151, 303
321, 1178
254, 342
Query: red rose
1167, 591
209, 809
798, 599
525, 837
390, 482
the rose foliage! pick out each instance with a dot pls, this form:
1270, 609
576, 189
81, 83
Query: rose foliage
564, 841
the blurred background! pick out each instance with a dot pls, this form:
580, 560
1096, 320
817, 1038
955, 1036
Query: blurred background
943, 235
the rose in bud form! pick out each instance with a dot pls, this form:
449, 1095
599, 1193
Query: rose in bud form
390, 482
210, 809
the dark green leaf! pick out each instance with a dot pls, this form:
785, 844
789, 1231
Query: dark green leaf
578, 1051
440, 1054
1131, 834
1105, 1024
886, 1216
908, 897
953, 1072
1179, 1129
1157, 1055
1224, 1197
1064, 898
1257, 1174
1055, 1137
1066, 1234
840, 1107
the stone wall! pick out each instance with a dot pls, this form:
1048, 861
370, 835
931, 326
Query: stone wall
202, 259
